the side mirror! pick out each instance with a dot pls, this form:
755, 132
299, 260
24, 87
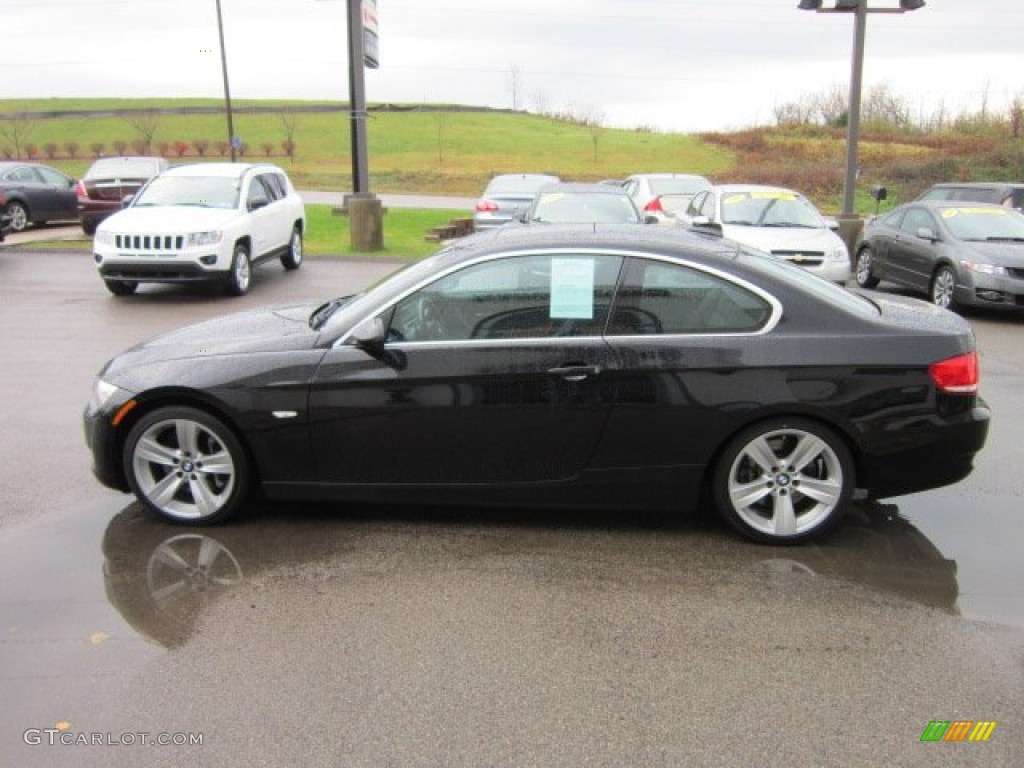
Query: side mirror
927, 233
260, 201
369, 334
703, 222
649, 219
831, 223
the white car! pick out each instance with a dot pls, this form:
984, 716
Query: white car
202, 222
663, 194
776, 220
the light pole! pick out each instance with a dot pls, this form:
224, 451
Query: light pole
860, 10
227, 89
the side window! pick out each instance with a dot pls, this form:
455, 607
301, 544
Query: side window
24, 175
534, 296
275, 185
693, 209
707, 206
258, 189
662, 298
915, 219
54, 178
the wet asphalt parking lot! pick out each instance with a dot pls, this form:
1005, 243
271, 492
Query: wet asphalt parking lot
377, 636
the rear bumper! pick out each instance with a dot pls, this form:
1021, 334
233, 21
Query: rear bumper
928, 455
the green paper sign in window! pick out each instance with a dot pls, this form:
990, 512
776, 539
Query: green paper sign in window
572, 288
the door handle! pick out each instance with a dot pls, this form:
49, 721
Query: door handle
575, 372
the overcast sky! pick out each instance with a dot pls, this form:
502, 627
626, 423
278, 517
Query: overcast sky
670, 64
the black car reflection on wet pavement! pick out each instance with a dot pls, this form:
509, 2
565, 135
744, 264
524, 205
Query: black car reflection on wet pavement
162, 578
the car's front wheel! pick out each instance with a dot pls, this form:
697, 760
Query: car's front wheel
292, 259
240, 274
17, 216
186, 465
784, 480
121, 287
943, 286
863, 271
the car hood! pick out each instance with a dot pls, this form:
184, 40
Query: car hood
168, 218
272, 329
1001, 254
783, 238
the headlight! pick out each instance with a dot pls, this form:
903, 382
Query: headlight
984, 269
204, 238
105, 238
102, 391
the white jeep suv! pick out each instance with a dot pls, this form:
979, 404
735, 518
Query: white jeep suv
202, 222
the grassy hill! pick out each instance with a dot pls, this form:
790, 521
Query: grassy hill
425, 151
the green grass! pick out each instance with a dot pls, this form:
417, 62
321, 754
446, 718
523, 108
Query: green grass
452, 153
328, 235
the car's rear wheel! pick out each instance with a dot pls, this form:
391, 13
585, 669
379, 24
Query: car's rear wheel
17, 216
240, 275
89, 226
121, 287
186, 465
784, 480
943, 286
293, 258
863, 272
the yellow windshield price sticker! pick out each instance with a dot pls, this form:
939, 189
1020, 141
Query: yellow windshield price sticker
949, 213
773, 196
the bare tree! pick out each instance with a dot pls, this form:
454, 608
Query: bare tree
16, 131
289, 126
145, 124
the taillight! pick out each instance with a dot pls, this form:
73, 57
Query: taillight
957, 375
486, 206
80, 191
654, 206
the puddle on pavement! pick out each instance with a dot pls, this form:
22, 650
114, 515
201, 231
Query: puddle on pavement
107, 591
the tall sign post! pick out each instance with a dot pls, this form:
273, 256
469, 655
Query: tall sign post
364, 209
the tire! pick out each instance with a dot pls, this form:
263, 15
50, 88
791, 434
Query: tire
89, 226
942, 287
17, 216
186, 466
239, 277
863, 272
784, 480
293, 258
120, 287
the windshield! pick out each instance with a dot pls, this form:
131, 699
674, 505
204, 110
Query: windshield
202, 191
983, 223
769, 209
577, 208
525, 186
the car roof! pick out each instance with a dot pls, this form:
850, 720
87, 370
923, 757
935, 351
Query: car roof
734, 188
666, 176
978, 185
937, 204
579, 187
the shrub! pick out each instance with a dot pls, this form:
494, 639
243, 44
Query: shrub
50, 148
97, 148
201, 146
180, 148
32, 151
267, 148
71, 147
121, 147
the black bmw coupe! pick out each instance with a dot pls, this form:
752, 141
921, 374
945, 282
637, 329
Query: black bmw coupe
552, 366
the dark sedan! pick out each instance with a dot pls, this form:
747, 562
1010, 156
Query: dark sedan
958, 253
35, 194
633, 367
109, 182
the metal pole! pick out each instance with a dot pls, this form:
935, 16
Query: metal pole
853, 119
357, 99
227, 89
